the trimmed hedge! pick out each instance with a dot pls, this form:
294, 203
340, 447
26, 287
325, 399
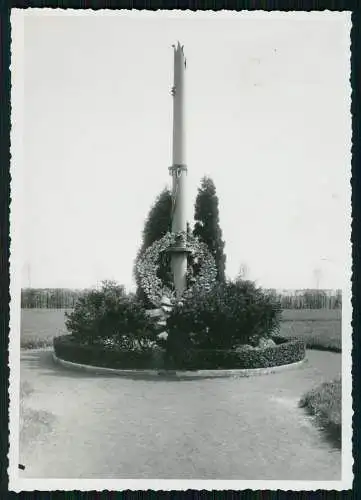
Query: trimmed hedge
68, 349
283, 353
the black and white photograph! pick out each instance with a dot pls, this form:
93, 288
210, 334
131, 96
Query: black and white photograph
180, 266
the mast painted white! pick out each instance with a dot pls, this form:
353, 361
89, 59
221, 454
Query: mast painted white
178, 170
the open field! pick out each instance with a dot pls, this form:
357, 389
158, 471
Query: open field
311, 314
320, 328
40, 326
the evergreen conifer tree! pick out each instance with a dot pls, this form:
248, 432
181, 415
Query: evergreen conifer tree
207, 227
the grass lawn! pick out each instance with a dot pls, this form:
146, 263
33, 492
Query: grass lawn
321, 329
325, 403
311, 314
40, 326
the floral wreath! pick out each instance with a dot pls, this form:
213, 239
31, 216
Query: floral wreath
148, 265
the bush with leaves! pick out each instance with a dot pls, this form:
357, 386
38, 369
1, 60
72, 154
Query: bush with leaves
111, 318
231, 314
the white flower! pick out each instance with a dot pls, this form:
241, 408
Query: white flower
148, 266
163, 336
166, 301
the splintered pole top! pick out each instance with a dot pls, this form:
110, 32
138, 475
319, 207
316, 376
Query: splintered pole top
178, 47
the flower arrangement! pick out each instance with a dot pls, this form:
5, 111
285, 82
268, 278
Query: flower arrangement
198, 255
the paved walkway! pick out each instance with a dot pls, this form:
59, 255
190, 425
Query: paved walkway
77, 425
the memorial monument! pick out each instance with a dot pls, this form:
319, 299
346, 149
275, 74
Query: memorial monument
178, 171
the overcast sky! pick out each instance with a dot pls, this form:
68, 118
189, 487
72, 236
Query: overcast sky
268, 118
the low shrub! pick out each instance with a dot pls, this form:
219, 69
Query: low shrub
324, 402
231, 314
284, 352
111, 317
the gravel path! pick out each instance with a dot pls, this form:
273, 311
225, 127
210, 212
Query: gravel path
77, 425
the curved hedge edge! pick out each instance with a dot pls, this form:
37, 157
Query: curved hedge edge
287, 352
68, 349
316, 347
311, 345
283, 353
177, 374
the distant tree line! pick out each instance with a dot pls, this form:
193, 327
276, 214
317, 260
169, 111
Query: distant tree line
65, 298
49, 298
309, 299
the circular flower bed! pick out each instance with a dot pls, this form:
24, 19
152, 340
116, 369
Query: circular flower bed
148, 266
284, 352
